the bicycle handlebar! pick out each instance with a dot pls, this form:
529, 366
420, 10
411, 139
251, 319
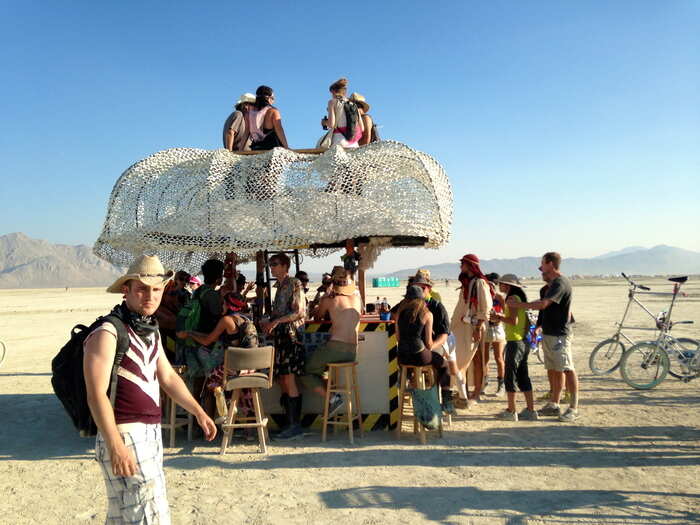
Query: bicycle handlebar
640, 286
682, 322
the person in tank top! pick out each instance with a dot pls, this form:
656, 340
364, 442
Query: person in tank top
265, 122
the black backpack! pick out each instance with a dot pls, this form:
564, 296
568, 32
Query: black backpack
68, 380
352, 116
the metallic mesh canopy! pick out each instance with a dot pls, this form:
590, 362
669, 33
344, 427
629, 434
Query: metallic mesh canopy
187, 205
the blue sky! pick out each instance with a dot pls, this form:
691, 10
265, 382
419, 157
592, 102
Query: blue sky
571, 126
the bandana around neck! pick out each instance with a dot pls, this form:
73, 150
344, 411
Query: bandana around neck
143, 325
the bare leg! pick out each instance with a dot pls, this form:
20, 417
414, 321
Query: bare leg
498, 357
557, 382
572, 387
288, 385
511, 401
486, 352
477, 363
529, 400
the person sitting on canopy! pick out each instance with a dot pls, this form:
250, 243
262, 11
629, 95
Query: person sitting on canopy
265, 122
344, 117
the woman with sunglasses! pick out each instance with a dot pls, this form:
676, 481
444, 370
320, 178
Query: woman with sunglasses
285, 325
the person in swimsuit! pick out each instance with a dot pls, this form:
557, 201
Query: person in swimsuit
265, 122
233, 329
337, 120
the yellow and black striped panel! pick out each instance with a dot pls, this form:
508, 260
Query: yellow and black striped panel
372, 421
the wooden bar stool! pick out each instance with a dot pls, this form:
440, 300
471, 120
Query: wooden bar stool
414, 377
261, 360
171, 422
349, 389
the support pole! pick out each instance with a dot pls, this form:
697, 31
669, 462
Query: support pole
259, 310
361, 285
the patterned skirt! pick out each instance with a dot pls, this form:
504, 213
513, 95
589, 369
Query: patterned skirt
289, 351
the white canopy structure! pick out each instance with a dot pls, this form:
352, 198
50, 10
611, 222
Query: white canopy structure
187, 205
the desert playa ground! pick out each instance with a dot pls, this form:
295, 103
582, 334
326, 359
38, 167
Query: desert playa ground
632, 457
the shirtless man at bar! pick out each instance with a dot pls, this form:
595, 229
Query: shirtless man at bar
343, 305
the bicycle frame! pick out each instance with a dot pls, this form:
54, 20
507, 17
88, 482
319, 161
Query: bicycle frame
631, 298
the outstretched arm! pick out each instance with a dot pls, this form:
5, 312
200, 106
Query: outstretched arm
207, 339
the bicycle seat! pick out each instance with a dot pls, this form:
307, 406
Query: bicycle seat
680, 280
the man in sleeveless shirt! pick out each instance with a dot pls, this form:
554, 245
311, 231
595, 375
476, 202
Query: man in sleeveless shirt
129, 444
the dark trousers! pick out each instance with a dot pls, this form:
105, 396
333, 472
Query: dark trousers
427, 357
516, 366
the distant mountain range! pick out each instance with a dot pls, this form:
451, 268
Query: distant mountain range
659, 260
33, 263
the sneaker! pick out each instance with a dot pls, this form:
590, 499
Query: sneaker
483, 387
292, 433
569, 416
507, 415
528, 415
335, 404
461, 403
448, 407
550, 409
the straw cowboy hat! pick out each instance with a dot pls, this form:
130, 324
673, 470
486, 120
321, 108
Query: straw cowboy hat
423, 277
246, 97
341, 284
360, 101
146, 269
512, 280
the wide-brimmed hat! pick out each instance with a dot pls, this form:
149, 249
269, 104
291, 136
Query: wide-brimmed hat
512, 280
414, 292
360, 101
146, 269
342, 285
246, 97
423, 277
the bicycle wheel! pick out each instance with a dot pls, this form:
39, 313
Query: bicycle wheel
605, 357
2, 352
644, 365
678, 369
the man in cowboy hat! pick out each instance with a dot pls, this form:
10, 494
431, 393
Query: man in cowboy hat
128, 445
441, 326
236, 136
343, 305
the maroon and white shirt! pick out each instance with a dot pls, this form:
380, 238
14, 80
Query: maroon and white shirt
138, 391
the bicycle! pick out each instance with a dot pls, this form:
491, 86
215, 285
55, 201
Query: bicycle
606, 355
646, 364
3, 351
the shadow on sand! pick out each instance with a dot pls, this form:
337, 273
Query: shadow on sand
518, 507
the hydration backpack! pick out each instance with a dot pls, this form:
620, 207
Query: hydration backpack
188, 317
352, 117
68, 379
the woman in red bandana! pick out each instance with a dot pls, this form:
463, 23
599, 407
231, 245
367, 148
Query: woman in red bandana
469, 320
